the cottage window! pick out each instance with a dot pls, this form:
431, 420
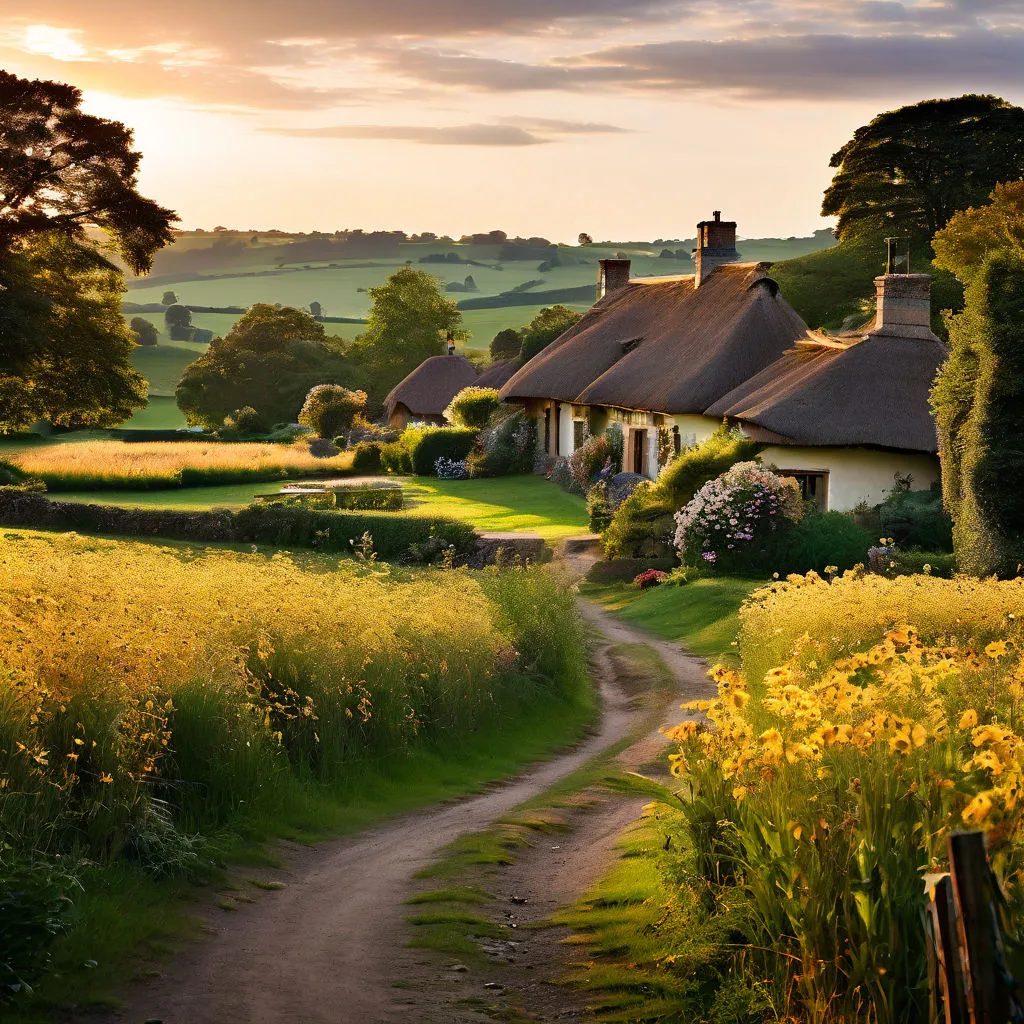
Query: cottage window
579, 433
813, 485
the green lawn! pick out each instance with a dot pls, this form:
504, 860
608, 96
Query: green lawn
518, 504
702, 615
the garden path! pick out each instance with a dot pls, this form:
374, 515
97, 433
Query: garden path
330, 947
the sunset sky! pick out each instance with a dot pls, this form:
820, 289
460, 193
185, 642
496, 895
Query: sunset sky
628, 119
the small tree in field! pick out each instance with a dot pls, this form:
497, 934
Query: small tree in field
547, 325
506, 344
316, 310
169, 299
179, 322
472, 407
144, 331
331, 408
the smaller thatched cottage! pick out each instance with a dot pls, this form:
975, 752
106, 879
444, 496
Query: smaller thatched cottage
425, 393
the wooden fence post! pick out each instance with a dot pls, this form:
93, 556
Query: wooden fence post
945, 951
988, 1000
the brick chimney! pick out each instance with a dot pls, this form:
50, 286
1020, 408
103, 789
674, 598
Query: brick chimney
716, 244
904, 306
612, 276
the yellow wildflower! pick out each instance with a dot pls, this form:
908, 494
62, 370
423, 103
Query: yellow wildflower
978, 810
969, 719
996, 649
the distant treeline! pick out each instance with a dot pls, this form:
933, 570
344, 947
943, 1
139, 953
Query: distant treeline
156, 307
584, 294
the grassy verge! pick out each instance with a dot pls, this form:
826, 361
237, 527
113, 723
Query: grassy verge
702, 615
513, 504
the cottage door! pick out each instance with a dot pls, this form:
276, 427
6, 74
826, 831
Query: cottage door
639, 437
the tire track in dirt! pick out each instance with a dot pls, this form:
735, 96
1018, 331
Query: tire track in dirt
328, 948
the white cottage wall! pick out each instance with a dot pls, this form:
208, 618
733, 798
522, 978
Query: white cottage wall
856, 474
566, 435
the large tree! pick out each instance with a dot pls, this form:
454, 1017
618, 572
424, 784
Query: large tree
64, 354
909, 170
269, 361
978, 397
408, 322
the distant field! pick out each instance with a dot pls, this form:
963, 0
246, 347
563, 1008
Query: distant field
341, 288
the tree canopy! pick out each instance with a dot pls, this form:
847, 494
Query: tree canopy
962, 245
506, 344
408, 322
909, 170
144, 331
65, 349
62, 170
329, 409
269, 361
547, 325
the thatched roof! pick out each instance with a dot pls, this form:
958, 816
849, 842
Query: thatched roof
432, 385
497, 374
660, 344
870, 392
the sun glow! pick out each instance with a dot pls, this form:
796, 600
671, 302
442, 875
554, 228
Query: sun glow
59, 43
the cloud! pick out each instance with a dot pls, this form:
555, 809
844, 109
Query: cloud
511, 131
815, 66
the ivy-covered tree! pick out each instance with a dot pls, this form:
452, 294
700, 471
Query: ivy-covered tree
269, 361
977, 398
909, 170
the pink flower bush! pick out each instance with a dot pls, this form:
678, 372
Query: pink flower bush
650, 578
730, 515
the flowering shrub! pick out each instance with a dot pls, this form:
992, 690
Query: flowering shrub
589, 459
508, 446
650, 578
451, 469
728, 519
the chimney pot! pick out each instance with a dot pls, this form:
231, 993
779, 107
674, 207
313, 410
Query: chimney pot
613, 276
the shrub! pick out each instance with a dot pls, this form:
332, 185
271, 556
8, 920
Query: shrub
561, 474
363, 430
729, 522
366, 457
642, 524
448, 469
246, 421
330, 409
598, 508
425, 445
624, 570
395, 458
595, 454
917, 519
507, 446
819, 540
650, 578
472, 407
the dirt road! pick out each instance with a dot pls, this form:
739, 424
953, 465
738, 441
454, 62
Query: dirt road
329, 947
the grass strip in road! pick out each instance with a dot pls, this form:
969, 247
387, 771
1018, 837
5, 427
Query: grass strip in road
702, 615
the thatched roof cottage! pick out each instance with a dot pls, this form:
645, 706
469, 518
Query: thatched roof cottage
425, 393
669, 358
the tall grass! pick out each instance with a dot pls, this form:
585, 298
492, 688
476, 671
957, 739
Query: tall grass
871, 718
119, 465
148, 693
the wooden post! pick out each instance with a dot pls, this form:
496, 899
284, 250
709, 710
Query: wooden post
987, 997
942, 917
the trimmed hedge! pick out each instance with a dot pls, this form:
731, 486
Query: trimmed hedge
366, 457
277, 525
418, 449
